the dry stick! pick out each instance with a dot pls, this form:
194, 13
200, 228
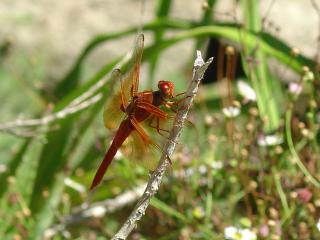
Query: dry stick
155, 180
86, 211
84, 101
50, 118
99, 209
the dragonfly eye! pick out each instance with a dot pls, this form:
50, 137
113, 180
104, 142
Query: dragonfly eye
166, 87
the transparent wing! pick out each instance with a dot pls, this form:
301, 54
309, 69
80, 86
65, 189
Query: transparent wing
130, 81
112, 114
125, 87
143, 153
148, 153
137, 55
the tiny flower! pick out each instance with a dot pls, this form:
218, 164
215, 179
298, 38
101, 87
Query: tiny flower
274, 214
295, 52
245, 222
264, 230
216, 165
233, 233
198, 212
246, 91
248, 235
3, 168
202, 169
318, 225
270, 140
205, 6
272, 223
317, 202
308, 77
208, 120
304, 195
295, 88
231, 112
189, 172
49, 233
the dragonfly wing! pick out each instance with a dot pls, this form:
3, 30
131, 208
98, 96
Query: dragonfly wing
112, 114
147, 153
131, 79
144, 153
125, 87
138, 51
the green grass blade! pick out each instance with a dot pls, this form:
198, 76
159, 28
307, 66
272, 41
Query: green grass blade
13, 165
294, 153
258, 73
162, 206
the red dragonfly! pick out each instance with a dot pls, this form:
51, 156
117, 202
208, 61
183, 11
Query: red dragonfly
134, 107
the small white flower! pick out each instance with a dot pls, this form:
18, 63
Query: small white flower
270, 140
248, 235
295, 88
217, 165
203, 169
233, 233
246, 91
318, 225
308, 77
231, 112
3, 168
189, 172
49, 233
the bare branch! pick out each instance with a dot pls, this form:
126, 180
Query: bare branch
85, 100
155, 180
96, 210
50, 118
99, 209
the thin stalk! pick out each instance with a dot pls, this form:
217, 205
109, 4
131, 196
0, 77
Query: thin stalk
293, 152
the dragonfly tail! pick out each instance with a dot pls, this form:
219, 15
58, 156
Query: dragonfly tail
123, 132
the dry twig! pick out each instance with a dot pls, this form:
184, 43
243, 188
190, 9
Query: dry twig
96, 210
85, 100
19, 123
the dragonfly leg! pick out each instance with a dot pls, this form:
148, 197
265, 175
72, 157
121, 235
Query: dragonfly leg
144, 136
179, 94
152, 109
170, 105
157, 126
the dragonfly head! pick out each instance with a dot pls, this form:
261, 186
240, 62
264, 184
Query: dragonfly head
166, 88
